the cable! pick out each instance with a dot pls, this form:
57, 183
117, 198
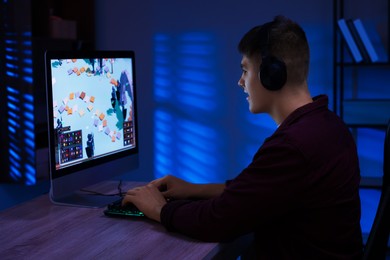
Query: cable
119, 193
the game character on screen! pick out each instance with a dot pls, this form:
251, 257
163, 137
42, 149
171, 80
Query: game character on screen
90, 146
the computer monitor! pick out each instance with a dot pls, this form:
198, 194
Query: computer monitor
92, 122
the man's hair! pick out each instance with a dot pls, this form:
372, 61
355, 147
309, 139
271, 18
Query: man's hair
283, 39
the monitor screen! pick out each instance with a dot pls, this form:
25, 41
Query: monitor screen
92, 120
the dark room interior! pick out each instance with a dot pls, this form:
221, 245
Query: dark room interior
193, 119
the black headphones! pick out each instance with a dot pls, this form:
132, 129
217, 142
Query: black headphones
273, 71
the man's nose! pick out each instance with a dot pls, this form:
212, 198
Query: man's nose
240, 83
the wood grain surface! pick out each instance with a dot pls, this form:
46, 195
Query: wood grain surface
38, 229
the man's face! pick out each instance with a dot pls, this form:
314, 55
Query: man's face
258, 97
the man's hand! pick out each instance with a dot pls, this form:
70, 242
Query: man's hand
175, 188
147, 199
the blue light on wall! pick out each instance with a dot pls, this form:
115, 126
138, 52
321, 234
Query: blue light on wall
20, 107
18, 90
188, 138
187, 88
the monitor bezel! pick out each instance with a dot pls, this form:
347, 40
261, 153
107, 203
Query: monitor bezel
49, 56
67, 183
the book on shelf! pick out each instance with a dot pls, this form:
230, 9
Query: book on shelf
358, 40
349, 39
374, 33
363, 40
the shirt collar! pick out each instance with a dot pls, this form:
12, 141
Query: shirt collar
319, 102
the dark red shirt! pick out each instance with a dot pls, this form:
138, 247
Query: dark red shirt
299, 195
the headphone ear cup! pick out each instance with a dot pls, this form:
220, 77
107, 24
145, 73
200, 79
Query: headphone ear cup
273, 73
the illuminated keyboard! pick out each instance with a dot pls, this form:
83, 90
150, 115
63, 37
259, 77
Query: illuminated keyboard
116, 209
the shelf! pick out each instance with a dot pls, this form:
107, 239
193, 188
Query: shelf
370, 182
366, 112
356, 112
363, 64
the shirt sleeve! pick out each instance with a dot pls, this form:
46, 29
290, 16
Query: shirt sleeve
265, 190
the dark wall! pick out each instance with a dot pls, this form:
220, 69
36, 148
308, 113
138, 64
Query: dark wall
187, 73
187, 50
193, 118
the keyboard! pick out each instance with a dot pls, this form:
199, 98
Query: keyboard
116, 209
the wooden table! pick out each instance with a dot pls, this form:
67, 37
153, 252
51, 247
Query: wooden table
38, 229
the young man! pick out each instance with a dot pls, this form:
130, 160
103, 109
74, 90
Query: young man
300, 194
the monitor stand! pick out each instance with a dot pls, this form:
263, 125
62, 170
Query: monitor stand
83, 199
